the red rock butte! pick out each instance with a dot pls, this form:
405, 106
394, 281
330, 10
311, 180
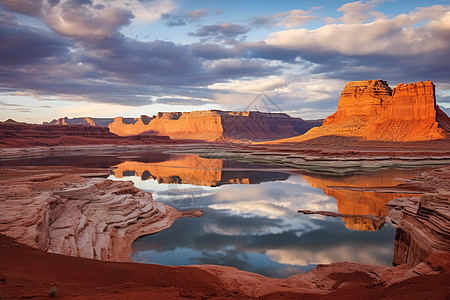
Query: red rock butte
215, 125
371, 110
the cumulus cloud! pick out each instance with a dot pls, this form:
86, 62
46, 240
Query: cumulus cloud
72, 19
397, 36
410, 46
355, 12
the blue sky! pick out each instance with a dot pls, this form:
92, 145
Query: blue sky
105, 58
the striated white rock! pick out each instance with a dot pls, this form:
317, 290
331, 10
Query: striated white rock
87, 217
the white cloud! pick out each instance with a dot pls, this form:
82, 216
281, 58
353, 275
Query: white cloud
296, 17
396, 36
355, 12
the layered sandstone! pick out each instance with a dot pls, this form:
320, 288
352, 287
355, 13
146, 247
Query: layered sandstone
215, 125
63, 212
360, 100
371, 111
423, 223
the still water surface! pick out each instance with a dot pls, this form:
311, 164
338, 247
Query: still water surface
250, 219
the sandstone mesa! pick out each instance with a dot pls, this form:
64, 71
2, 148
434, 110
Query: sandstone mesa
215, 125
372, 111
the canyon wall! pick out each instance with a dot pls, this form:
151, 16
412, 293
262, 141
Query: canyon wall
371, 110
423, 222
215, 125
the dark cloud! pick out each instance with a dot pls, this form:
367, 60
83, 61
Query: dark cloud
264, 21
22, 45
227, 32
443, 99
27, 7
230, 68
173, 20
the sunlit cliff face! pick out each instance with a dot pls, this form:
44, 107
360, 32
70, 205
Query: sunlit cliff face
362, 202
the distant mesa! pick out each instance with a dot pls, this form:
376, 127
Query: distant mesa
371, 110
216, 125
100, 122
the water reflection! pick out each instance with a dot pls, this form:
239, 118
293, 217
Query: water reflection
363, 202
192, 169
256, 227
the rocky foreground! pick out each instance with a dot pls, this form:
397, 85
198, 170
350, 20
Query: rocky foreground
76, 212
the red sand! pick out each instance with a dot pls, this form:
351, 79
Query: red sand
31, 273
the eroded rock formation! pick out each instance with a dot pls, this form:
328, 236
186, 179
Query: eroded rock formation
423, 223
215, 125
370, 110
79, 214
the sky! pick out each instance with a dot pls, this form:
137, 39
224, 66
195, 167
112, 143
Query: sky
107, 58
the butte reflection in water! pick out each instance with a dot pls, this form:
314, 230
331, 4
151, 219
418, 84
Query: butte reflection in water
250, 216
